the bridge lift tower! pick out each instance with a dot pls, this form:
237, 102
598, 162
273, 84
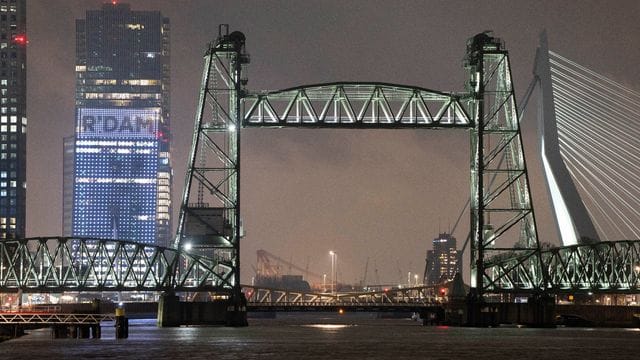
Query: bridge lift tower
501, 205
502, 217
209, 221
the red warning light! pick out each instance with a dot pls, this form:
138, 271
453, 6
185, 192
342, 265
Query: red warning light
162, 136
114, 2
442, 291
20, 39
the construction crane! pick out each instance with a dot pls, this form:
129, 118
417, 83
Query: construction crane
363, 281
267, 268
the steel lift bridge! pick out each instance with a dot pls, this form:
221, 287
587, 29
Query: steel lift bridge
506, 254
502, 216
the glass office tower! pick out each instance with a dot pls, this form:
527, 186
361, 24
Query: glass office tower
443, 261
121, 154
13, 118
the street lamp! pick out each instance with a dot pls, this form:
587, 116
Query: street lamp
324, 282
334, 271
416, 277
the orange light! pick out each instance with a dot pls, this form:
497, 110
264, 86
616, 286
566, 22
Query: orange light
341, 311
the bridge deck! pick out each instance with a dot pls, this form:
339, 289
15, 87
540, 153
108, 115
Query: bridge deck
336, 307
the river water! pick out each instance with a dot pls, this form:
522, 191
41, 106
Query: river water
329, 336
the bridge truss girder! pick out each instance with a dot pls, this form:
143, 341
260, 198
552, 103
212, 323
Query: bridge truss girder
605, 267
58, 264
419, 295
355, 105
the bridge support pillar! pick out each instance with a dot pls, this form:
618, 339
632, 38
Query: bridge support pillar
480, 313
236, 314
542, 309
96, 331
84, 331
169, 310
229, 312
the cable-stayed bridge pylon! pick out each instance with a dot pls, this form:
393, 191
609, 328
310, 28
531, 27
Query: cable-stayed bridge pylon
589, 141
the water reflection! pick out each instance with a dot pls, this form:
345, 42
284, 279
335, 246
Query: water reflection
329, 327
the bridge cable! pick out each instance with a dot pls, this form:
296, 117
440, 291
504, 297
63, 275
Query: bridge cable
597, 132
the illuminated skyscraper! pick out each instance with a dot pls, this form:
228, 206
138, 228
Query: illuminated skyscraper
121, 156
13, 118
442, 261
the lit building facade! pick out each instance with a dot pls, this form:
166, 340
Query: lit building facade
121, 149
13, 118
442, 262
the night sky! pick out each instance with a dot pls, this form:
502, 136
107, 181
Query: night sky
382, 195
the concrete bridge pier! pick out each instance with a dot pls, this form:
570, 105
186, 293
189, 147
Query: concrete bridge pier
538, 311
542, 308
479, 312
228, 312
236, 315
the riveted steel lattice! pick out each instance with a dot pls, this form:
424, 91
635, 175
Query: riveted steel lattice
419, 295
53, 319
355, 105
59, 264
209, 222
605, 267
502, 216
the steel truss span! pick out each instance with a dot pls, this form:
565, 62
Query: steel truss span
56, 264
412, 296
605, 267
355, 105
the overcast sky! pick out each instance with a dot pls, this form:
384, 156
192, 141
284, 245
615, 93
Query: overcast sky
382, 195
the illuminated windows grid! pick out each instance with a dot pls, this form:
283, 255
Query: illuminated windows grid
13, 120
116, 189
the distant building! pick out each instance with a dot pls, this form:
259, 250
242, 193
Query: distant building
442, 262
13, 118
121, 151
68, 158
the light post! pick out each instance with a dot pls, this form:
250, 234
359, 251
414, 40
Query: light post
324, 282
334, 271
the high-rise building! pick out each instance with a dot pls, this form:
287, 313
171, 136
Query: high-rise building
442, 261
13, 118
121, 153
